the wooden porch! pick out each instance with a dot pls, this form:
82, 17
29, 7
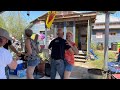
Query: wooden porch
80, 24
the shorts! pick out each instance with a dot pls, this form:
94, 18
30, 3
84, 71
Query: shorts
33, 62
68, 67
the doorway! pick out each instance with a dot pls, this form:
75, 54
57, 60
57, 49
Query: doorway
82, 37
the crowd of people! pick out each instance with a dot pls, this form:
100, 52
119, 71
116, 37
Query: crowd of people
62, 54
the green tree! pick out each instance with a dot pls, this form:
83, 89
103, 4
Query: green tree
2, 22
14, 23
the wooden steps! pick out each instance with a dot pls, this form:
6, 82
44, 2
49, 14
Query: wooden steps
81, 57
80, 60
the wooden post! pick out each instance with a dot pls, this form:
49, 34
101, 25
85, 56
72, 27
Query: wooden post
65, 29
88, 37
90, 33
55, 30
45, 37
106, 41
74, 30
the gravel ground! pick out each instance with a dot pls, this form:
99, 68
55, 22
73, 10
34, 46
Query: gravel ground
79, 72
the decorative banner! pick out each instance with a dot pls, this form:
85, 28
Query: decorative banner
50, 18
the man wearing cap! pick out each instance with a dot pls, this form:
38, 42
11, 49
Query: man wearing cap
5, 55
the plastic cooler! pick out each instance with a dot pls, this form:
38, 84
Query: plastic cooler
19, 67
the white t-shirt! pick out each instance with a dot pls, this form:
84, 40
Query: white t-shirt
5, 59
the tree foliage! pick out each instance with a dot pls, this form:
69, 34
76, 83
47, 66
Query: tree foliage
14, 23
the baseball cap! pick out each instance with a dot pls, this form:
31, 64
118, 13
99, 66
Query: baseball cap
5, 33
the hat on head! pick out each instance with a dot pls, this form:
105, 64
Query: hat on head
4, 33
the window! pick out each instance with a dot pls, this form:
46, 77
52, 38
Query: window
113, 33
99, 35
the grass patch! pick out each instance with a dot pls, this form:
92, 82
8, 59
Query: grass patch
100, 62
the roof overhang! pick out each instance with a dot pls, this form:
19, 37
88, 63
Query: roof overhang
111, 12
69, 17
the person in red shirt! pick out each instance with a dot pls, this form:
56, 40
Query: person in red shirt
118, 56
69, 57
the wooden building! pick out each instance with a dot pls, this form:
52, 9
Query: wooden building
80, 24
98, 32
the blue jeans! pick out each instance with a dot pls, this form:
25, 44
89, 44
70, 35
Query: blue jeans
57, 66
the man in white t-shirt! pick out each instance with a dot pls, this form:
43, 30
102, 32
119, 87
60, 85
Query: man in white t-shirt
5, 55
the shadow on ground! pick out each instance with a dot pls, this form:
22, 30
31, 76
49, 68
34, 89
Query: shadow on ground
80, 71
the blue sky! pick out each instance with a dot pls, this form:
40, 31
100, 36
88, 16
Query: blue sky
35, 14
117, 14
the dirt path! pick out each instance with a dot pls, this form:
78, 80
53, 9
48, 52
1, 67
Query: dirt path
80, 70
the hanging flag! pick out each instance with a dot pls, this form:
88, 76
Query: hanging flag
50, 18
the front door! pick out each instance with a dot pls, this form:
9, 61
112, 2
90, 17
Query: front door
82, 38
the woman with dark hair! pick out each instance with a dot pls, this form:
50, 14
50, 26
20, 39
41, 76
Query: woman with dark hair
31, 52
